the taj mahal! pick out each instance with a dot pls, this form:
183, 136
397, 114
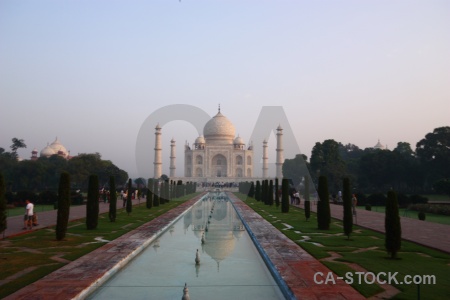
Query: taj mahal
218, 155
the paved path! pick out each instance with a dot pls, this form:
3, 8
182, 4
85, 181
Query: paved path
48, 218
429, 234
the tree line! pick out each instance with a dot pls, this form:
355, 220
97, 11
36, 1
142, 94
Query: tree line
44, 173
426, 169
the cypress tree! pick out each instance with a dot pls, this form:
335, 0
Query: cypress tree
284, 195
270, 192
3, 212
167, 190
264, 192
277, 194
155, 193
251, 191
149, 196
258, 191
392, 226
174, 189
112, 199
162, 190
307, 202
180, 189
323, 205
92, 208
347, 204
62, 218
129, 206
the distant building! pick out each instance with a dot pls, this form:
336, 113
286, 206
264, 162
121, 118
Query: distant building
218, 154
55, 148
379, 146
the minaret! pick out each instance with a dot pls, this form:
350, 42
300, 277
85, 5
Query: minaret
172, 158
280, 158
158, 153
265, 158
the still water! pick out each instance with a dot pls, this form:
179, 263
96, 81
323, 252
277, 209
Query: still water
230, 266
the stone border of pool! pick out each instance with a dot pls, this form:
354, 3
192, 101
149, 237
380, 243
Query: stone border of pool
295, 266
80, 277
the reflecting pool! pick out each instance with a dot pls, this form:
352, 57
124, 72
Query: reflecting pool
230, 266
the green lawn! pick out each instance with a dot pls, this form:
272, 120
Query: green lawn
14, 257
365, 248
19, 211
437, 197
442, 219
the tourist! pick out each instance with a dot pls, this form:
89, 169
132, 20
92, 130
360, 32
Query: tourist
354, 203
297, 198
28, 218
124, 197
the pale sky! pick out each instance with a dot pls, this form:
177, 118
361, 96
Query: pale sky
91, 72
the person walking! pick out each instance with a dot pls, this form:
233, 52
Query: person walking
28, 218
354, 203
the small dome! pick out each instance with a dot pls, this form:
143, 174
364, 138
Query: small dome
219, 129
59, 148
378, 145
47, 152
200, 140
239, 141
34, 151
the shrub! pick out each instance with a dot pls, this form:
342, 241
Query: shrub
347, 205
112, 199
277, 193
92, 208
251, 192
3, 212
368, 206
421, 216
149, 196
392, 226
62, 218
270, 192
129, 206
307, 202
258, 191
284, 195
323, 205
155, 193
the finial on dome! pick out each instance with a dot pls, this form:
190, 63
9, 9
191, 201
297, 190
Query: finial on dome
219, 107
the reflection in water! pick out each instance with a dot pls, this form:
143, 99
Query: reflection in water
216, 224
163, 268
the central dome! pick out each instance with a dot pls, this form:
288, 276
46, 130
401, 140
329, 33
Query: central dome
219, 130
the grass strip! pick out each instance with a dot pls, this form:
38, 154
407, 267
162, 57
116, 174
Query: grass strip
27, 258
364, 248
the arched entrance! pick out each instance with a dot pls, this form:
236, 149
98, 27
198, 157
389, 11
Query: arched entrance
219, 166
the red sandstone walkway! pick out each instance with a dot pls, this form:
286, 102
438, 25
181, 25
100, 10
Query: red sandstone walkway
429, 234
48, 218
